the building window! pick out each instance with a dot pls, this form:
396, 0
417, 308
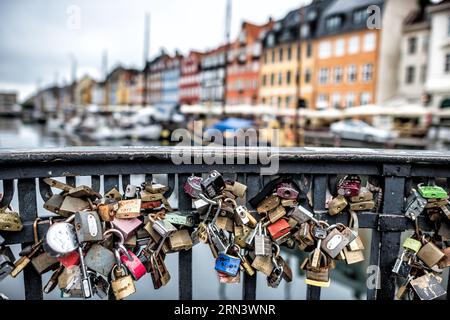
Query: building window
350, 100
279, 102
369, 42
288, 78
336, 100
410, 74
365, 98
323, 76
322, 101
447, 63
352, 73
289, 53
353, 45
272, 79
360, 16
339, 48
280, 79
325, 50
307, 76
264, 80
367, 73
288, 101
263, 100
273, 55
265, 57
423, 73
309, 49
425, 44
333, 23
280, 54
338, 75
412, 45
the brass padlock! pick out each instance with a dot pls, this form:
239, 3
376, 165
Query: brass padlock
113, 194
362, 206
71, 205
364, 195
107, 211
352, 257
263, 264
57, 184
129, 209
54, 203
289, 203
225, 223
43, 263
122, 283
180, 240
268, 204
430, 254
276, 214
10, 220
337, 205
319, 276
237, 188
150, 197
84, 192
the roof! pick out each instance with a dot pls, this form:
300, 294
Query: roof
416, 20
345, 10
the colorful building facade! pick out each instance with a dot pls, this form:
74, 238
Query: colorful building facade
190, 78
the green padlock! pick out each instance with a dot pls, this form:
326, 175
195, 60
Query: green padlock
432, 192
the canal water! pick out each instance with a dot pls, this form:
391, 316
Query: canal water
14, 134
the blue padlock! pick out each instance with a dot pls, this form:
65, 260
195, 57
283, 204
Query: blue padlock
227, 264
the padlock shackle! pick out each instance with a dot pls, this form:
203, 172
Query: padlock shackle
117, 233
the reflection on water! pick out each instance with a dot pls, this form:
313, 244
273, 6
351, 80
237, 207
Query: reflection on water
14, 134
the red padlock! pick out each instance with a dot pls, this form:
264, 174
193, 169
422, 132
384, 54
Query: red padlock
133, 264
151, 204
70, 259
349, 186
279, 229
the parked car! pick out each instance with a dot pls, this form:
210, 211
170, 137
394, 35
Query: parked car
359, 130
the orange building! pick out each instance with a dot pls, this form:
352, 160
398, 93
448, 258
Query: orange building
244, 64
346, 58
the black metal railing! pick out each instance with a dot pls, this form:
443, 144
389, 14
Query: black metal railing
314, 168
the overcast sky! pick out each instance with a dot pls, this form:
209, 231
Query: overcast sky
38, 37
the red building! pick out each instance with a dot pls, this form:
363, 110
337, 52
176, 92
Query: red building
190, 78
244, 64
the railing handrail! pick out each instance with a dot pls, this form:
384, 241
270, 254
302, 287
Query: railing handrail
69, 154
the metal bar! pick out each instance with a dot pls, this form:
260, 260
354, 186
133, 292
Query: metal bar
125, 181
95, 183
253, 182
8, 193
45, 190
28, 213
320, 184
390, 240
184, 257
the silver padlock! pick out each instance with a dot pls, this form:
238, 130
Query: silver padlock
61, 238
164, 228
263, 245
132, 191
6, 262
88, 226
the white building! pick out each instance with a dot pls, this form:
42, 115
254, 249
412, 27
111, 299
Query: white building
438, 75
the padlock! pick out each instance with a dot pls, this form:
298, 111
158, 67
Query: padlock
132, 263
337, 205
126, 226
100, 259
122, 283
275, 277
107, 210
151, 197
60, 239
435, 203
69, 259
289, 203
225, 223
240, 237
352, 257
113, 194
412, 244
268, 204
287, 271
177, 218
153, 187
237, 188
43, 263
72, 205
225, 278
267, 190
445, 262
132, 191
201, 206
337, 239
53, 281
427, 287
10, 220
68, 278
278, 229
227, 264
213, 184
304, 237
6, 262
180, 240
100, 285
245, 264
362, 206
263, 245
218, 238
245, 217
276, 214
129, 209
263, 264
57, 184
432, 192
164, 228
430, 254
84, 192
301, 214
53, 204
193, 186
402, 266
364, 195
414, 205
349, 186
319, 276
88, 226
159, 272
287, 191
156, 237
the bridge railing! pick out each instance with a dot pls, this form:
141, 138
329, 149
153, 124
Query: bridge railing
317, 169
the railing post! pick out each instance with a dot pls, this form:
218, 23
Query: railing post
28, 213
394, 189
320, 184
184, 257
